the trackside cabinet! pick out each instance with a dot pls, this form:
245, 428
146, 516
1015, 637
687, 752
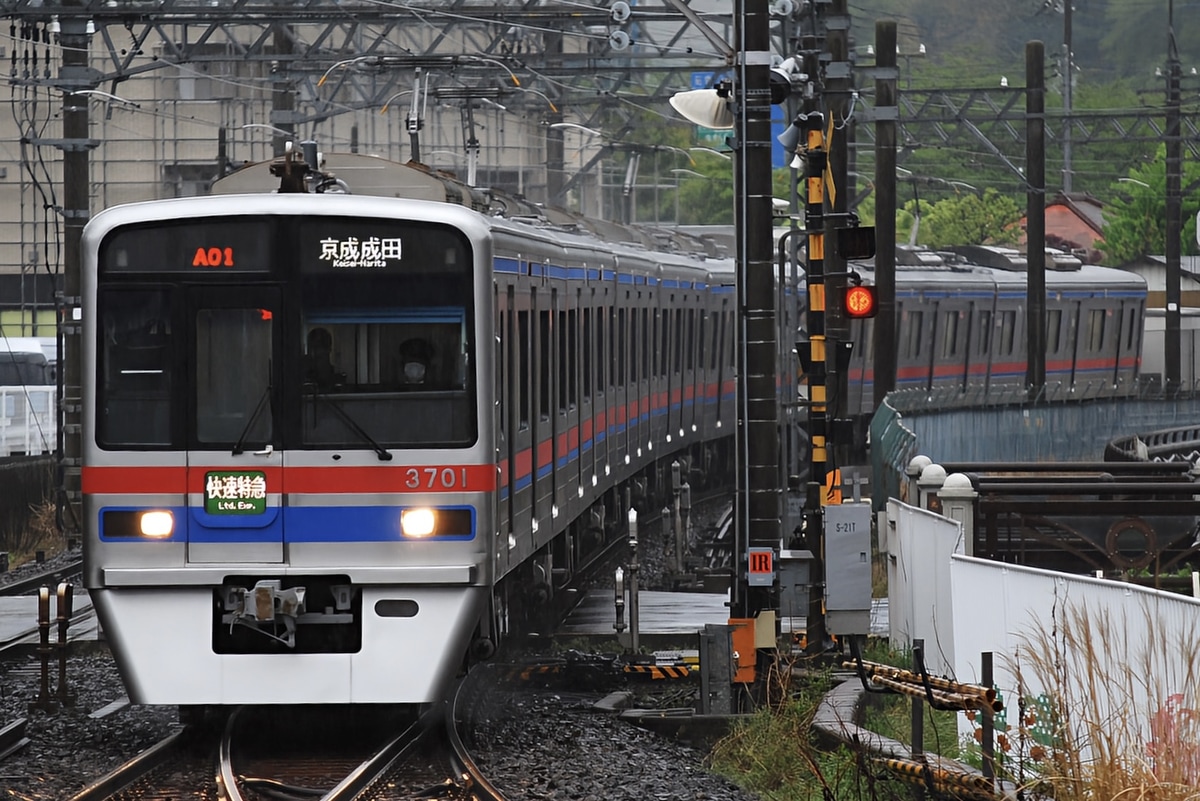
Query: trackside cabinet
848, 568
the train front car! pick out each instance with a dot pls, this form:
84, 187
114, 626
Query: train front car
288, 474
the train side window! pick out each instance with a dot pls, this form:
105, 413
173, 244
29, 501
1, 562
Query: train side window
984, 339
1095, 331
564, 371
135, 358
522, 387
730, 338
614, 377
714, 323
645, 340
949, 334
619, 350
587, 351
634, 332
1053, 330
1008, 332
572, 358
691, 339
664, 351
601, 361
914, 326
1132, 329
678, 333
651, 342
543, 356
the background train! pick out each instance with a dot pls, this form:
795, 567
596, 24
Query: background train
336, 443
961, 329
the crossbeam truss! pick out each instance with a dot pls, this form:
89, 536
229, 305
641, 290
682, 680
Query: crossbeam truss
601, 59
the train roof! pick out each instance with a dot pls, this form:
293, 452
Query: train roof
700, 258
970, 266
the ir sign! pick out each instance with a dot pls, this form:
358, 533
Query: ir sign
762, 567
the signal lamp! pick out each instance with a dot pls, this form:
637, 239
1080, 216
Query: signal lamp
859, 302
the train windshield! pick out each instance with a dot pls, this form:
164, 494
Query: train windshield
385, 337
331, 332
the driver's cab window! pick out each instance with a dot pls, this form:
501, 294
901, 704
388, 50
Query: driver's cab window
233, 375
390, 357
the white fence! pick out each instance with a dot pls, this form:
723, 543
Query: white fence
28, 423
1128, 650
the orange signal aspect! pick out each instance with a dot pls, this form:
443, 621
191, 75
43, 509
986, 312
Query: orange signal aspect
859, 302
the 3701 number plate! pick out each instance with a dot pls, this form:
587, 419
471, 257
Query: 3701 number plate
437, 478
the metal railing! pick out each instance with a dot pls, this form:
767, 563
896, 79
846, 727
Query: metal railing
28, 424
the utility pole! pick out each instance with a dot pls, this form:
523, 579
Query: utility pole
1035, 218
839, 85
759, 490
283, 93
884, 334
1068, 68
75, 74
1174, 222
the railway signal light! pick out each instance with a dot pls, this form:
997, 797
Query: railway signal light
859, 302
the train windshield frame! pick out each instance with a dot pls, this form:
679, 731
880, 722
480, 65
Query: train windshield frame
315, 333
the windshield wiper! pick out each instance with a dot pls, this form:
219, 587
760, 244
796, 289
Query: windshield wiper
382, 452
237, 448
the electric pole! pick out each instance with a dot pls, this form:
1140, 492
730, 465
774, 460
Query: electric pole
759, 495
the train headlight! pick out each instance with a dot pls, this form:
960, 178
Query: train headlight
156, 524
418, 523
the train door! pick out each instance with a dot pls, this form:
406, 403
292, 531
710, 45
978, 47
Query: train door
1131, 345
618, 314
589, 392
658, 402
543, 427
639, 417
520, 417
502, 409
234, 468
691, 345
572, 475
601, 446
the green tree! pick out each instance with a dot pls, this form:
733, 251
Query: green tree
1135, 219
966, 219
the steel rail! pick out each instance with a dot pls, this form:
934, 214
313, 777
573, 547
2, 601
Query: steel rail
141, 765
479, 786
52, 577
361, 779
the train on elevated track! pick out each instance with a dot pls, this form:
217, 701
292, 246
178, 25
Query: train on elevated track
335, 440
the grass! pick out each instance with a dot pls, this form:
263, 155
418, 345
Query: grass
39, 534
1106, 714
774, 754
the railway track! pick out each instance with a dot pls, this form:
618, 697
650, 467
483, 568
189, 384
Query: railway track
260, 754
71, 569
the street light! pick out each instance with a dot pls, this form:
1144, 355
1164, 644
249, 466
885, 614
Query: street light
266, 127
106, 95
908, 57
715, 152
560, 126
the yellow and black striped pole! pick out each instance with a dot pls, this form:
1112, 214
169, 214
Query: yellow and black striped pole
812, 357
